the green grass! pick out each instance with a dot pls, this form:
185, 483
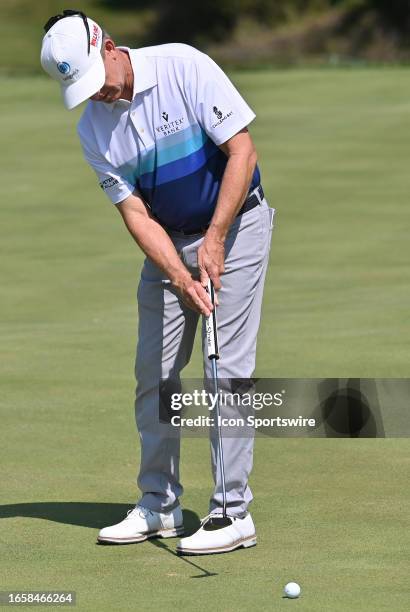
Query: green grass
330, 514
22, 21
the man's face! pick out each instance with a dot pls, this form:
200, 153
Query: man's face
114, 75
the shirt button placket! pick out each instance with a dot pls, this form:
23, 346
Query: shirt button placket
137, 128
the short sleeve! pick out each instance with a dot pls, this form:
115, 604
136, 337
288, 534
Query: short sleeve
116, 187
218, 106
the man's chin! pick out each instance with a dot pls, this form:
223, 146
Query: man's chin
106, 99
111, 99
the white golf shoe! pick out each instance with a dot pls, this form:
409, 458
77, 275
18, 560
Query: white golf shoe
141, 524
218, 534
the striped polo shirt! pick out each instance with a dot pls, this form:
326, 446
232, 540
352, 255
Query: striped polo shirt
163, 145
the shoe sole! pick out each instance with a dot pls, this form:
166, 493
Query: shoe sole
246, 543
162, 533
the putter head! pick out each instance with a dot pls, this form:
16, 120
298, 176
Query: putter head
217, 522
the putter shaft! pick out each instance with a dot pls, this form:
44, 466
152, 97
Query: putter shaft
213, 355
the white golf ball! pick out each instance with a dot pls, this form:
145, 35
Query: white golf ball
292, 590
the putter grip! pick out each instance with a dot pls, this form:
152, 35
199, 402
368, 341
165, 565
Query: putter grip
211, 327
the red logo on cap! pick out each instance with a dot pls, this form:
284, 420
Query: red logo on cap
94, 39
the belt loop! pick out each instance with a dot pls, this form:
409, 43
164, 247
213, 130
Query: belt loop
259, 194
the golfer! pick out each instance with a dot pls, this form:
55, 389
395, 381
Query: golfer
166, 132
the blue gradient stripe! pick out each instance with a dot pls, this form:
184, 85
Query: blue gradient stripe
182, 203
174, 147
180, 167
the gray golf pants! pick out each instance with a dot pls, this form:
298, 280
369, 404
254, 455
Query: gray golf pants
165, 339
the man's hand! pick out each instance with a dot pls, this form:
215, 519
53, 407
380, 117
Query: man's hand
156, 244
211, 258
193, 294
237, 177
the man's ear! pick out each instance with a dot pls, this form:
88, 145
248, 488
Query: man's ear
109, 45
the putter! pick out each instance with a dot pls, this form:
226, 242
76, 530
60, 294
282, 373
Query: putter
213, 355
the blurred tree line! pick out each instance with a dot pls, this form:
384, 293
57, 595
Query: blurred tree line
215, 20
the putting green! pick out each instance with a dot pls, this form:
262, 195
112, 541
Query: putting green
330, 514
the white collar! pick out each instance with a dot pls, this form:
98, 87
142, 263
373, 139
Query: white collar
144, 76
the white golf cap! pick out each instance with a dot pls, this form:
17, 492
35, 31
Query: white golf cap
64, 55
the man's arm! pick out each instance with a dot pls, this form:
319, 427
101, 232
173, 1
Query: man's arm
156, 244
237, 177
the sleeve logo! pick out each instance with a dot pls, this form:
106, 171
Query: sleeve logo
217, 112
108, 183
219, 115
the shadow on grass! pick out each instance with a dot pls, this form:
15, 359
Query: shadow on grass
191, 524
85, 514
96, 515
159, 543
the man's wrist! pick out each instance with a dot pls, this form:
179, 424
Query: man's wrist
180, 277
217, 232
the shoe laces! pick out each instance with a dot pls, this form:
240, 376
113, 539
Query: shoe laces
140, 510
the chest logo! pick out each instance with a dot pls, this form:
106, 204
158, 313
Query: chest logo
170, 127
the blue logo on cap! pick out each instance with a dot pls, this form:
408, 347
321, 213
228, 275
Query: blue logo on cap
63, 67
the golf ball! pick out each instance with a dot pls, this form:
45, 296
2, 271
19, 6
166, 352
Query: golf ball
292, 590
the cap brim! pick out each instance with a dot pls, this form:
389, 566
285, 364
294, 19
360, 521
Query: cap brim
87, 86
